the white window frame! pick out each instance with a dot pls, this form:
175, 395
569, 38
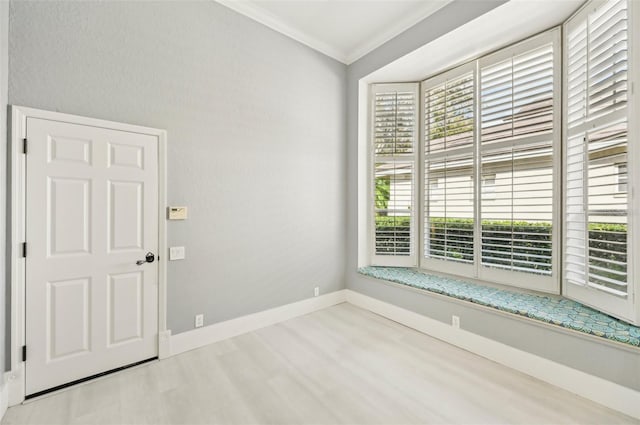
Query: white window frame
543, 283
391, 260
626, 308
435, 264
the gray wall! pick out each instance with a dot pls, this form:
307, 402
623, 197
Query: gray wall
621, 365
256, 125
4, 61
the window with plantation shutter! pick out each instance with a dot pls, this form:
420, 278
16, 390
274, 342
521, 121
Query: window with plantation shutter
394, 134
449, 141
527, 164
598, 157
519, 137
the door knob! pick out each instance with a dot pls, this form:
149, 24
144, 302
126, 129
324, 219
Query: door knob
149, 258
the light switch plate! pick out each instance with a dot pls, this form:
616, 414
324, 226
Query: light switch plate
177, 213
176, 253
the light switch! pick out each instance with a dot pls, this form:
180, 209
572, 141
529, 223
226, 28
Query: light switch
177, 213
176, 253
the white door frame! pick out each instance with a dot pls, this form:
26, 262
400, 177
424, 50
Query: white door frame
19, 114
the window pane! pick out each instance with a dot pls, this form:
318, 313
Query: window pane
394, 121
393, 198
516, 161
449, 114
607, 213
517, 95
449, 209
517, 215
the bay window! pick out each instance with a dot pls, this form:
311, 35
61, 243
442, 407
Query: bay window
518, 167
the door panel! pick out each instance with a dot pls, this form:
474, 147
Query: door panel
69, 215
125, 216
92, 212
126, 307
68, 313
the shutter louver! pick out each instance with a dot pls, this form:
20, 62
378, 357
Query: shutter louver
449, 230
517, 96
394, 135
516, 161
607, 59
596, 153
596, 208
607, 213
517, 214
449, 116
394, 123
394, 190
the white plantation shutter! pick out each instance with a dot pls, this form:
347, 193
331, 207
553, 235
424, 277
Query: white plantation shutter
519, 135
597, 239
449, 141
394, 135
517, 216
517, 94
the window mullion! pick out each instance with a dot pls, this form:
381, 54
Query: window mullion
477, 224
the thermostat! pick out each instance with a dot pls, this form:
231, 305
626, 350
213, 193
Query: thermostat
177, 213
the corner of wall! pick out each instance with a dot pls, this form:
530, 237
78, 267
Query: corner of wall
4, 397
4, 80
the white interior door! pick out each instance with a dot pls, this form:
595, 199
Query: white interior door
92, 213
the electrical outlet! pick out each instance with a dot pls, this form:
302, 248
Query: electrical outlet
199, 320
455, 322
316, 291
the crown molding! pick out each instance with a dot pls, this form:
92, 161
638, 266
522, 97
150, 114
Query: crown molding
247, 8
393, 31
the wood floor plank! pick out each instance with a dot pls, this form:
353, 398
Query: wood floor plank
340, 365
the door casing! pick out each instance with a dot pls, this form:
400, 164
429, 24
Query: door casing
17, 174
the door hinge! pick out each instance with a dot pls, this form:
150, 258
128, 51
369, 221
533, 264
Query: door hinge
24, 353
24, 250
24, 146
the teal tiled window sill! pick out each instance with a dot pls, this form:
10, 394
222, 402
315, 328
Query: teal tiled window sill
558, 311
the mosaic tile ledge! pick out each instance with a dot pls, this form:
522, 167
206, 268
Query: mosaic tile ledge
557, 311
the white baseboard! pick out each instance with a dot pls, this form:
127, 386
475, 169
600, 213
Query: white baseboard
217, 332
591, 387
4, 397
164, 344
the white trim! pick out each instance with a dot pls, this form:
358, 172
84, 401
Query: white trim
596, 389
4, 397
164, 344
391, 32
16, 376
634, 175
250, 10
197, 338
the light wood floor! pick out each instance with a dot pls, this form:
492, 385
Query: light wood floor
339, 365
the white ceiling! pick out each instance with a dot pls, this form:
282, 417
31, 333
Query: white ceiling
343, 29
